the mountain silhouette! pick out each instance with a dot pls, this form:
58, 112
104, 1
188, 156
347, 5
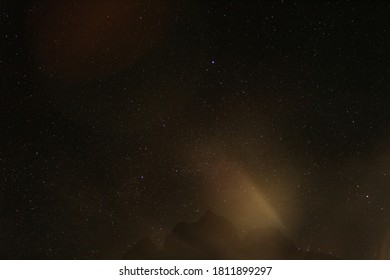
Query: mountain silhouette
214, 237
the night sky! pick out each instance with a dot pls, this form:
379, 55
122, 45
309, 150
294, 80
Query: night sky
120, 119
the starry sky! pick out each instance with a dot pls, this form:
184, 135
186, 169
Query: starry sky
120, 119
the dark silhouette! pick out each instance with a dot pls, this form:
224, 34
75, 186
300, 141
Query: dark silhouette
214, 237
